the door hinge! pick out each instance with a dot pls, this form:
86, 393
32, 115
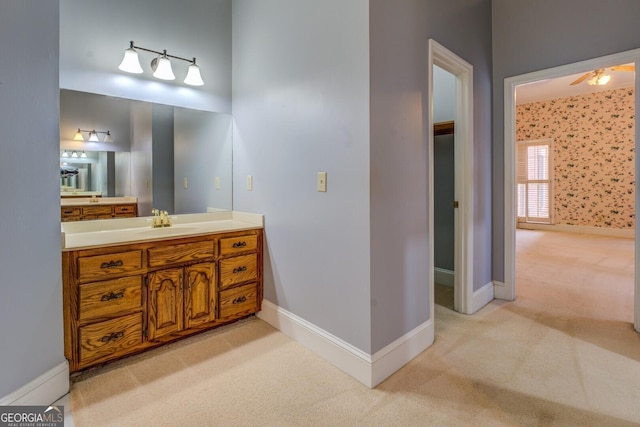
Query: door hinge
455, 204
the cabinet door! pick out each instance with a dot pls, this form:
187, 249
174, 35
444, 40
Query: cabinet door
200, 304
165, 302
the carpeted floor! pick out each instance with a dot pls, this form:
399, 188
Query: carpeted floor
543, 359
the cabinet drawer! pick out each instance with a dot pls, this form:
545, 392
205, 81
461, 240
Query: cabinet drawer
233, 245
186, 252
124, 210
96, 210
238, 269
91, 267
106, 298
239, 301
105, 339
70, 212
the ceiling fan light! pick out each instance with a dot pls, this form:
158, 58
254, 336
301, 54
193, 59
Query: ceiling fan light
162, 68
604, 79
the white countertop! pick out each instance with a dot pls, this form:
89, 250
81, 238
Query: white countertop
81, 201
108, 232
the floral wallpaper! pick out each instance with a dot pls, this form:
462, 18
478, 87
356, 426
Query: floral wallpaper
593, 155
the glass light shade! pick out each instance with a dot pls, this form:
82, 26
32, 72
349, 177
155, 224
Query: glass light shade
65, 154
78, 136
604, 79
93, 136
193, 76
108, 138
83, 155
130, 62
74, 154
162, 68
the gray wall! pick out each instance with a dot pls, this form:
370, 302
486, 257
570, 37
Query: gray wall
399, 104
142, 156
95, 33
443, 211
203, 151
162, 154
534, 35
30, 282
301, 105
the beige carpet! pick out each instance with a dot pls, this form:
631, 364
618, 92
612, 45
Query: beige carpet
531, 362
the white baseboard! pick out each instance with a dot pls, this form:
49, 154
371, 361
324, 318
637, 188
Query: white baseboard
369, 370
482, 297
500, 291
443, 277
44, 390
601, 231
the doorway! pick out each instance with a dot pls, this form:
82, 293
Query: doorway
462, 71
508, 291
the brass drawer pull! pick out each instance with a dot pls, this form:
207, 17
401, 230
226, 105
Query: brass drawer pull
112, 264
112, 296
239, 300
112, 337
240, 269
240, 244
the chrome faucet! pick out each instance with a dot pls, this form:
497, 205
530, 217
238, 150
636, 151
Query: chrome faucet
160, 218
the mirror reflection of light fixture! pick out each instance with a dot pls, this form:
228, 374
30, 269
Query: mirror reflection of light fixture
65, 154
83, 155
93, 135
161, 65
74, 154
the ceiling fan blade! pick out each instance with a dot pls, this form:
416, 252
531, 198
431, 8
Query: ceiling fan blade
624, 68
583, 78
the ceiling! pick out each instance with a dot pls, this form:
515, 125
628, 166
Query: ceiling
545, 90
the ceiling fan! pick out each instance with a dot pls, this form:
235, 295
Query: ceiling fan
600, 77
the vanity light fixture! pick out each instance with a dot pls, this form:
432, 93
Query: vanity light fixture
83, 155
161, 65
65, 154
93, 135
74, 154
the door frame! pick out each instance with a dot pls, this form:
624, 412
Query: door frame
508, 291
464, 171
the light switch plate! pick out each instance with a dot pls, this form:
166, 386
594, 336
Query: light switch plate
322, 181
185, 183
217, 182
249, 182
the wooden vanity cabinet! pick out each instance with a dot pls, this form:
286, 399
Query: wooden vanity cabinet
123, 299
101, 211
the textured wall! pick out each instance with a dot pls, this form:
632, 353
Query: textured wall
593, 155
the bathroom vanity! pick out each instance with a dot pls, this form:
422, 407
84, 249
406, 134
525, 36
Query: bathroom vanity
90, 208
128, 287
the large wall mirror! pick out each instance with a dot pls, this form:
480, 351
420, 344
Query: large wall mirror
171, 158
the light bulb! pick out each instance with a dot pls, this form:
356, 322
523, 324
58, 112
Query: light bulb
193, 75
93, 136
162, 68
130, 62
